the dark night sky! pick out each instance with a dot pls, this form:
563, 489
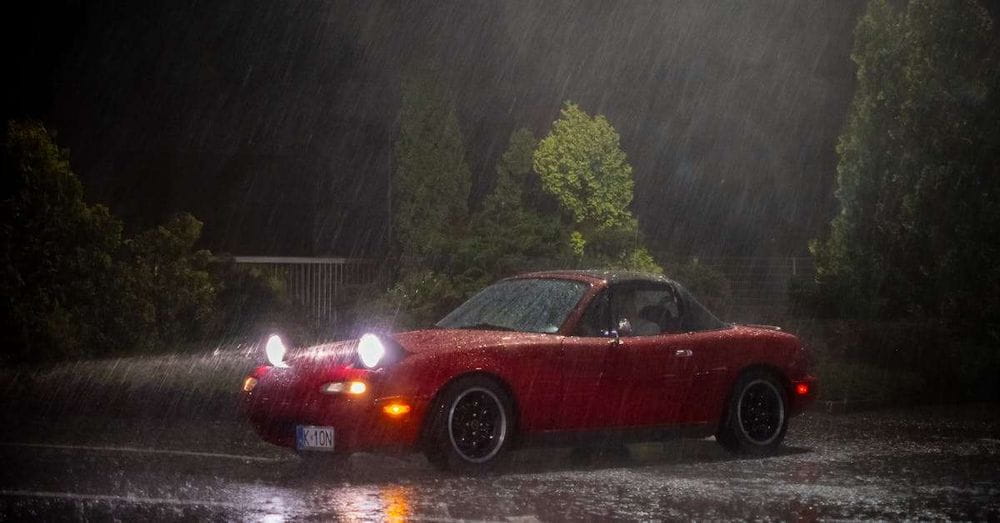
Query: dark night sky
273, 121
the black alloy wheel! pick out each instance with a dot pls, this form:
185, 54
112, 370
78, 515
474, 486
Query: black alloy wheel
477, 424
761, 412
756, 415
469, 425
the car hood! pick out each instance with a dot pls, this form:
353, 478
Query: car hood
415, 342
334, 353
446, 340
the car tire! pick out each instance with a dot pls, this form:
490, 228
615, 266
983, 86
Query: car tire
756, 415
470, 426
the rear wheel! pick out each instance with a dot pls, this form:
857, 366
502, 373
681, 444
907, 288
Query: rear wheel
469, 426
756, 416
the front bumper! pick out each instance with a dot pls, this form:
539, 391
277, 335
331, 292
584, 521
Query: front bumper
276, 406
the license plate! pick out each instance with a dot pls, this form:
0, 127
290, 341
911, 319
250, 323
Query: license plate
308, 437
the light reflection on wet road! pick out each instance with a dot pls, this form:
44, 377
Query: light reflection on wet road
923, 463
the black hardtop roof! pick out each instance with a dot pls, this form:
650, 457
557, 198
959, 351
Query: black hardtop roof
609, 275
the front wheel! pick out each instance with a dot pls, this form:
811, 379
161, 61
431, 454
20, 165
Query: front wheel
469, 425
756, 415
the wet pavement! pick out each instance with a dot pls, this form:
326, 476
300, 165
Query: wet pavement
915, 463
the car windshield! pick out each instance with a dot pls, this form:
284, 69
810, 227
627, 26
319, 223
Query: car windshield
526, 305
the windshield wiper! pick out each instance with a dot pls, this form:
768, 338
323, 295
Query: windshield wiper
486, 327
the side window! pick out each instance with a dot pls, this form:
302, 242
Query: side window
696, 316
595, 319
645, 309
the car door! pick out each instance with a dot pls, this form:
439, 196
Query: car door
652, 361
589, 395
714, 349
709, 365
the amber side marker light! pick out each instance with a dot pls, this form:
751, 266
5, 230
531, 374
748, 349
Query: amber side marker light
802, 389
249, 383
396, 409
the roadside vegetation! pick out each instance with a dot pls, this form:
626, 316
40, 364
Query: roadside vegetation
558, 202
75, 285
903, 305
910, 261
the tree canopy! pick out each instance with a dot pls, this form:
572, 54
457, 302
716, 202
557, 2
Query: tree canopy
918, 231
58, 251
581, 163
558, 203
73, 285
431, 180
517, 228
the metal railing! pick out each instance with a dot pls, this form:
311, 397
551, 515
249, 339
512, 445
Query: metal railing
321, 286
758, 287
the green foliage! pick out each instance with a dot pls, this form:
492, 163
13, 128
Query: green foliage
172, 282
59, 266
253, 300
581, 164
899, 361
513, 174
73, 286
857, 381
558, 203
250, 295
517, 229
431, 181
418, 300
918, 231
702, 281
640, 259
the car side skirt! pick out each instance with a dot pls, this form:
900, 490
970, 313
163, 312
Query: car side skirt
601, 437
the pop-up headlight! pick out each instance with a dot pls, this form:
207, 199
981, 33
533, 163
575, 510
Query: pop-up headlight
370, 350
276, 350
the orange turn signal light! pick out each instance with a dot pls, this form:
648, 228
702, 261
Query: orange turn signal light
802, 389
396, 409
249, 383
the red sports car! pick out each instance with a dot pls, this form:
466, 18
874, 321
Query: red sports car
567, 357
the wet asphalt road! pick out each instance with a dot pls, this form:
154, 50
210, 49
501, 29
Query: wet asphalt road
920, 463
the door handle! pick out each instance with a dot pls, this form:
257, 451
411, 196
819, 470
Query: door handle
683, 353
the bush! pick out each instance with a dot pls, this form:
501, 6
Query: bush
854, 381
61, 274
699, 279
171, 280
899, 361
73, 286
252, 301
418, 300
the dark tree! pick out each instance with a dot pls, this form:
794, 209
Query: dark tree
918, 232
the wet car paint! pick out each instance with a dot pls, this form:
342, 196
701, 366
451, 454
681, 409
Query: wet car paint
558, 382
